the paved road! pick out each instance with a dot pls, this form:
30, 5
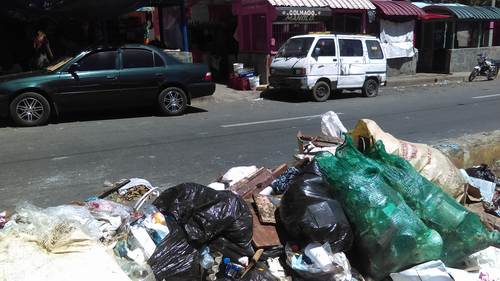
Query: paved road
72, 158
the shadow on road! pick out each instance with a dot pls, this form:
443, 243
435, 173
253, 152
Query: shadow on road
101, 115
291, 96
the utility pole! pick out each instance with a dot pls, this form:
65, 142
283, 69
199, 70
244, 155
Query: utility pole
490, 38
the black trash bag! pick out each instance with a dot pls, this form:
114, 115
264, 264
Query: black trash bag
482, 172
309, 213
207, 214
174, 258
230, 250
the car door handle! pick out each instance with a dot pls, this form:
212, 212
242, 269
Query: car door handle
159, 74
321, 65
111, 77
334, 59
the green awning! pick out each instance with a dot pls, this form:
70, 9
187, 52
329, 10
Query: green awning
465, 12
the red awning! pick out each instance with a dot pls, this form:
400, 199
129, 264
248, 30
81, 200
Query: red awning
431, 16
397, 8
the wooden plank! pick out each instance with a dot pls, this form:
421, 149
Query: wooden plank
280, 170
253, 184
264, 236
265, 209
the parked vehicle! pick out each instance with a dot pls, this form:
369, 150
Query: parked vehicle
127, 76
321, 63
485, 67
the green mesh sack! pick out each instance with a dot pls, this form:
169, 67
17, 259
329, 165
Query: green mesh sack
389, 235
462, 232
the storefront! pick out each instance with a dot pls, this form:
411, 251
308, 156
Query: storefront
395, 26
264, 25
451, 44
211, 36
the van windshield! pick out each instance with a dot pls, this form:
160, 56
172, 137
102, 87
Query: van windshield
296, 47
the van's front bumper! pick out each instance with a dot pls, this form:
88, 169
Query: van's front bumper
295, 83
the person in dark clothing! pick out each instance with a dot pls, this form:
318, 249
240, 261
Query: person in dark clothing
43, 53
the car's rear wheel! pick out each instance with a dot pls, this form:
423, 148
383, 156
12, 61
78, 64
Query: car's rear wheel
172, 101
370, 88
30, 109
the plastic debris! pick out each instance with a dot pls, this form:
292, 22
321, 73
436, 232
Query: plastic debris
207, 215
281, 184
434, 271
388, 233
325, 266
428, 161
53, 244
309, 213
331, 125
462, 231
174, 258
236, 174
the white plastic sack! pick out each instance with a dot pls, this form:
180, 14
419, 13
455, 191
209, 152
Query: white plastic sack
433, 271
236, 174
54, 244
331, 125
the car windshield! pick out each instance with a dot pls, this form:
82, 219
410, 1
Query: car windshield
296, 47
58, 63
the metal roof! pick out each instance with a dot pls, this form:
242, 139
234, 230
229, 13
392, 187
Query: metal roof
397, 8
334, 4
466, 12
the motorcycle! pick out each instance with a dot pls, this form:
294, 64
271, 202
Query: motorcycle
485, 67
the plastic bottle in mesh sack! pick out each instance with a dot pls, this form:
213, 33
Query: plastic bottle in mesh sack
462, 232
389, 235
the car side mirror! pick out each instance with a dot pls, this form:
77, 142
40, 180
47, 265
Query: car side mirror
73, 68
316, 52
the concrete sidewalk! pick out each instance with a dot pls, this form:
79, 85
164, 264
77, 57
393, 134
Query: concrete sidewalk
225, 94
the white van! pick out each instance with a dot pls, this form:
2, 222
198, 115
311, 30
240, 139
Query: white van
322, 63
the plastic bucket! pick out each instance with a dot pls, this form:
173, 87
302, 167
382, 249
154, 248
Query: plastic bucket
237, 66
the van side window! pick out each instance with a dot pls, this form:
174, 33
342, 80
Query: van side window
374, 50
325, 48
350, 48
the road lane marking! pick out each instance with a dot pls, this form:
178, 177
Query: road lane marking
487, 96
272, 121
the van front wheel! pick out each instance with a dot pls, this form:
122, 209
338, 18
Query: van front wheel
370, 88
321, 91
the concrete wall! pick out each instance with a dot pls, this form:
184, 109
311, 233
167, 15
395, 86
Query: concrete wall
258, 62
464, 60
402, 66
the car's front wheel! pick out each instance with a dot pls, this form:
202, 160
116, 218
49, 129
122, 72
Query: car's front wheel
321, 91
30, 109
172, 101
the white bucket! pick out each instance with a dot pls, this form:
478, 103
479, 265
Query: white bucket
237, 66
254, 82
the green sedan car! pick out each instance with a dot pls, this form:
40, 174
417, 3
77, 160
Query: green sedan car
110, 77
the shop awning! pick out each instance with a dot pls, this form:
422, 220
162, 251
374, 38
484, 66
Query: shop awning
334, 4
432, 16
465, 12
397, 8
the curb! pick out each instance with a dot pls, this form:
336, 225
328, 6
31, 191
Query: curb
419, 81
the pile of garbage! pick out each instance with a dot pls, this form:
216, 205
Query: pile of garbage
243, 78
358, 205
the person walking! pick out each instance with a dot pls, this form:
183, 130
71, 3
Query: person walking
43, 53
